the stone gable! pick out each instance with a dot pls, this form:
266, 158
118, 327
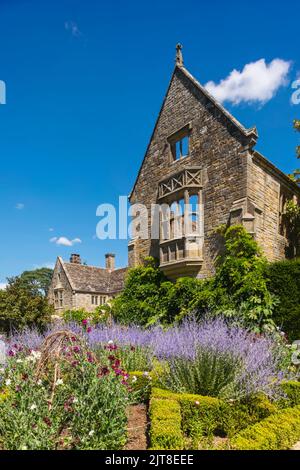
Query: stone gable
235, 187
78, 283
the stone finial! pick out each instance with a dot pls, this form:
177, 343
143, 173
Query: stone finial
179, 57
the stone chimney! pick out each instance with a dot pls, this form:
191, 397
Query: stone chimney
75, 259
110, 261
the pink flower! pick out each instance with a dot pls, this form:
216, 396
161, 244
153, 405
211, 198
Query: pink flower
84, 322
103, 371
47, 421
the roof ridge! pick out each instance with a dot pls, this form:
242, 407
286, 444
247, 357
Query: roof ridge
247, 132
66, 272
93, 267
85, 265
252, 131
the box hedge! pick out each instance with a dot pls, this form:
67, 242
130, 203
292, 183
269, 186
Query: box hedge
283, 279
165, 429
291, 391
277, 432
207, 416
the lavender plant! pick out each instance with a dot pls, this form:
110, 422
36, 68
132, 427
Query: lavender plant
220, 360
215, 357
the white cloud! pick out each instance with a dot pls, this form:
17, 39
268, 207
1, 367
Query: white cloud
64, 241
20, 206
3, 285
257, 82
72, 27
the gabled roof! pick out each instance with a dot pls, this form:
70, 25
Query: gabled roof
247, 132
90, 279
252, 132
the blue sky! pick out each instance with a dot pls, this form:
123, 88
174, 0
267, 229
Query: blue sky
85, 81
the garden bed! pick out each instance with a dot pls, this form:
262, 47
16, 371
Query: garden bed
116, 388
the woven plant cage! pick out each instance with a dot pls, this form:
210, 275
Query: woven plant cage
52, 350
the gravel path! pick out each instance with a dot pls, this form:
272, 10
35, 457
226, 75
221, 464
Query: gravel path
296, 446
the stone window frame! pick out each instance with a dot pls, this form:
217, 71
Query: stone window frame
58, 298
178, 136
98, 300
173, 220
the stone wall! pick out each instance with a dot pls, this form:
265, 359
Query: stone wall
60, 281
216, 145
84, 300
265, 189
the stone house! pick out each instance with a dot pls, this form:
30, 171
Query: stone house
198, 151
75, 285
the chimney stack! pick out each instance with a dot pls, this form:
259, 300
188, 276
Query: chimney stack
75, 259
110, 261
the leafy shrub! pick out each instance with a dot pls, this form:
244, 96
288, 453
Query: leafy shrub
208, 416
87, 410
22, 305
240, 272
165, 428
99, 315
215, 359
237, 415
141, 298
239, 289
277, 432
291, 390
200, 415
141, 383
75, 315
284, 282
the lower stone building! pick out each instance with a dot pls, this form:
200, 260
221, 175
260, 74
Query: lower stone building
200, 154
75, 285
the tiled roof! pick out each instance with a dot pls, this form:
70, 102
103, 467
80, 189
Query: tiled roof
91, 279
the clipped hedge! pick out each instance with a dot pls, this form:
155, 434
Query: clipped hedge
277, 432
200, 415
237, 416
291, 390
283, 279
205, 416
165, 429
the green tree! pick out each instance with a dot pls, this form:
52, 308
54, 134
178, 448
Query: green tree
240, 274
141, 298
292, 221
296, 174
22, 305
38, 279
